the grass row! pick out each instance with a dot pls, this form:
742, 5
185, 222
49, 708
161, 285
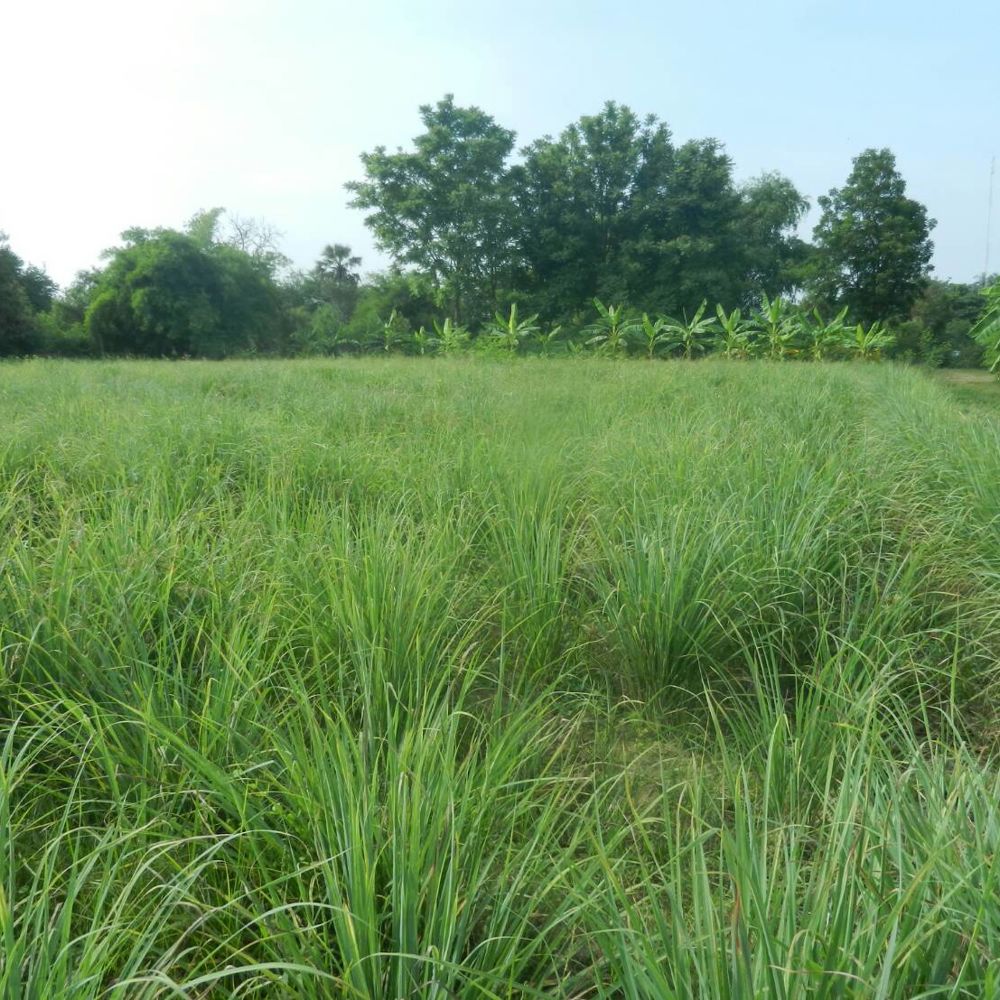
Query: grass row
388, 680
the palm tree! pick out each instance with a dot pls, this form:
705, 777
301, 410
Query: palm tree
337, 262
334, 279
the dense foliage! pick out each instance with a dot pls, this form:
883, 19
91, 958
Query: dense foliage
25, 292
612, 209
987, 328
167, 294
446, 208
388, 680
873, 246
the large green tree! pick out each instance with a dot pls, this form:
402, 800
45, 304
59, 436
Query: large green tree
65, 322
445, 207
689, 247
25, 293
168, 293
774, 257
613, 209
872, 243
584, 196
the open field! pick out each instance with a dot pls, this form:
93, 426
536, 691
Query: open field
453, 679
974, 388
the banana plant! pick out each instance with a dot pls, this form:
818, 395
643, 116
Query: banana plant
510, 332
611, 331
986, 331
825, 338
691, 335
423, 343
779, 328
451, 337
655, 333
545, 342
734, 333
390, 336
325, 334
867, 345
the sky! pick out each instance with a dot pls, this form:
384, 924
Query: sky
120, 114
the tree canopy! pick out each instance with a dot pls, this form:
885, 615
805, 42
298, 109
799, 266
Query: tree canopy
25, 292
873, 246
445, 207
168, 293
612, 209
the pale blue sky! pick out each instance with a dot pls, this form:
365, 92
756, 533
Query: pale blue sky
130, 113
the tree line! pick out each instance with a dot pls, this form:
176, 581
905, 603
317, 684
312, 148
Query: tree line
612, 210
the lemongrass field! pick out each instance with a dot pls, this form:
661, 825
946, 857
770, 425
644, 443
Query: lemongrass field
468, 679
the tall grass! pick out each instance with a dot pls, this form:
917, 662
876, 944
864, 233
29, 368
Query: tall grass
380, 680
